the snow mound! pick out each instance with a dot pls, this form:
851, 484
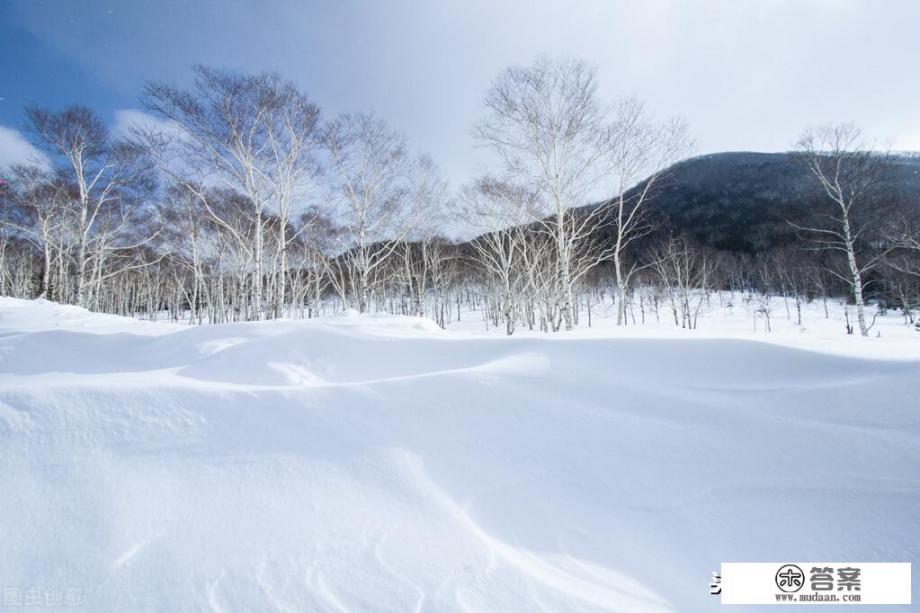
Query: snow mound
378, 463
38, 315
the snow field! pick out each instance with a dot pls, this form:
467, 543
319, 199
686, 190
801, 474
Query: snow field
373, 463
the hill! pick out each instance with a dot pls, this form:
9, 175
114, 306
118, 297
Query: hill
740, 201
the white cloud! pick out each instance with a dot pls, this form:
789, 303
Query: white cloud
126, 120
750, 74
15, 149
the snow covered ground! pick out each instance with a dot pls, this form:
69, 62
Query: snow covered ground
372, 463
730, 316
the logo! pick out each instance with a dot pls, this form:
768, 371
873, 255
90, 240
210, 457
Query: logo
790, 578
833, 582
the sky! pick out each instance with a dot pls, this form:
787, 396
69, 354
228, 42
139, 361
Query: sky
746, 74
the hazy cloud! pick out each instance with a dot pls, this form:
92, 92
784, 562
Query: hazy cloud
15, 149
747, 74
127, 120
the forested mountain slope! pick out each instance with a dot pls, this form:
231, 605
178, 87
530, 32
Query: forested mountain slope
740, 201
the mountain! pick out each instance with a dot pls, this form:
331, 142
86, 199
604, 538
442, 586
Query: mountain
741, 201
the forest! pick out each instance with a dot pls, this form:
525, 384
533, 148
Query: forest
244, 202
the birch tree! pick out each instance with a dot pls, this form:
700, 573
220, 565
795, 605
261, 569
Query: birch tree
36, 208
642, 151
550, 132
254, 134
104, 171
848, 174
294, 139
423, 249
368, 169
902, 232
684, 270
505, 215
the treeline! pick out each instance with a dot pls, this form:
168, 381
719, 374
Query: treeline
242, 202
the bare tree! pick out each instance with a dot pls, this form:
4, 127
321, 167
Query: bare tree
107, 175
36, 208
684, 269
642, 149
254, 134
317, 243
293, 136
423, 249
189, 238
547, 127
848, 173
368, 170
902, 231
505, 215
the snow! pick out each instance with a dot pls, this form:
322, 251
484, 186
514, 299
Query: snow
729, 316
361, 462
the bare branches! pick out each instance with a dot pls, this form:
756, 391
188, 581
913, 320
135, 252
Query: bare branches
241, 202
110, 183
848, 174
381, 195
547, 127
641, 150
685, 271
255, 134
551, 133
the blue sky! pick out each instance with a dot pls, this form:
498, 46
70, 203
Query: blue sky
747, 74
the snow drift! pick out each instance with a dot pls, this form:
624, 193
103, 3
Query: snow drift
378, 463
